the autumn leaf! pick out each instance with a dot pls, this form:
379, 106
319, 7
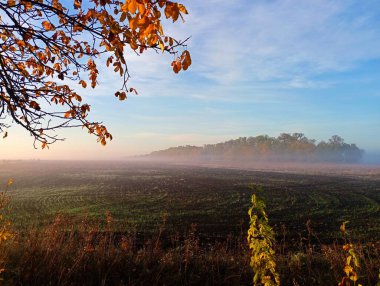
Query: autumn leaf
48, 26
133, 23
176, 66
134, 90
182, 8
77, 4
162, 46
133, 45
34, 105
67, 114
186, 60
83, 83
122, 96
132, 6
123, 16
10, 182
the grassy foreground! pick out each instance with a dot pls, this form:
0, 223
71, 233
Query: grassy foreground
80, 253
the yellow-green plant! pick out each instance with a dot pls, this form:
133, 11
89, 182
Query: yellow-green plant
261, 244
352, 263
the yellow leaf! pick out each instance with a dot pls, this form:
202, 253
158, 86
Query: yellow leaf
162, 46
9, 182
343, 226
182, 9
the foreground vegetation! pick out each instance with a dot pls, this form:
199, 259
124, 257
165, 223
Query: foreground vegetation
148, 225
72, 253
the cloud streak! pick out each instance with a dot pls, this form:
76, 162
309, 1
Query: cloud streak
263, 45
271, 40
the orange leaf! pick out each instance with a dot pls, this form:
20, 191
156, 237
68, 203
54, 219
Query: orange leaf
142, 8
83, 83
124, 7
186, 60
34, 105
77, 4
176, 66
48, 26
133, 23
133, 44
122, 96
44, 145
132, 6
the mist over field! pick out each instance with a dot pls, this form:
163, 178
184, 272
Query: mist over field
371, 157
263, 149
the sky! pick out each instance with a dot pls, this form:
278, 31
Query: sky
259, 67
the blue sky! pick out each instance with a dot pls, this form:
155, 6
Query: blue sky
259, 67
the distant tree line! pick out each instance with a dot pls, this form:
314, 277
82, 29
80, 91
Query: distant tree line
286, 147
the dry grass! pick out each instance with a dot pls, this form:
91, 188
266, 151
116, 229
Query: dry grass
65, 253
83, 253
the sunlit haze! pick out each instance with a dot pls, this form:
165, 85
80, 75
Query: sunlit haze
259, 67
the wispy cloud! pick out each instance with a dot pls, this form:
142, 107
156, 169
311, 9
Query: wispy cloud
260, 44
287, 39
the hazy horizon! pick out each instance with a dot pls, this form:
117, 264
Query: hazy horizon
95, 151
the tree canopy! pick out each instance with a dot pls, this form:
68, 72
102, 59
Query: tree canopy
45, 47
286, 147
